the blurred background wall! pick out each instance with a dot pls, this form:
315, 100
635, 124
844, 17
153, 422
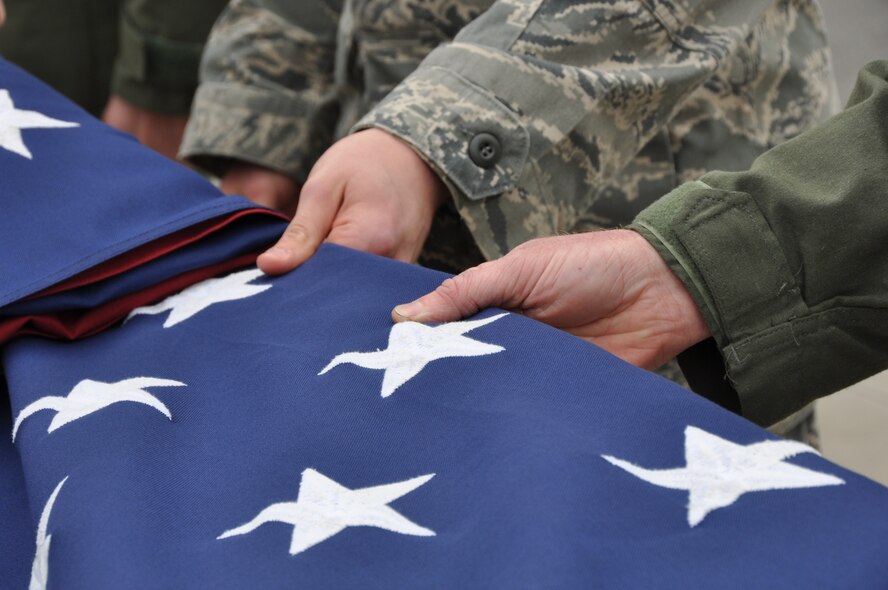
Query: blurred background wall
854, 423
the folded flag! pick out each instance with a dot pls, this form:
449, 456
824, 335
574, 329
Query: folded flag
249, 432
83, 203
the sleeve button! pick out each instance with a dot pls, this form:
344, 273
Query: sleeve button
485, 150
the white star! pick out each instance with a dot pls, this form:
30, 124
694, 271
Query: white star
412, 346
200, 296
40, 567
718, 471
90, 396
13, 120
324, 508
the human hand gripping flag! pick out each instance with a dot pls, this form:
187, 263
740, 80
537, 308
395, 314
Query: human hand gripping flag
240, 431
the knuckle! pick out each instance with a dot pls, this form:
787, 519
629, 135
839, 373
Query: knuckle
536, 246
385, 244
450, 289
299, 232
315, 187
455, 292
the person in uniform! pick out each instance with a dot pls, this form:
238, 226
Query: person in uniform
477, 125
778, 273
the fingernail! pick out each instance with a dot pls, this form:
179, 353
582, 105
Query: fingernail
410, 311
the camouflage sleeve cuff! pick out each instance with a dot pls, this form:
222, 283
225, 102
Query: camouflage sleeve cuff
447, 117
538, 181
440, 113
231, 121
155, 73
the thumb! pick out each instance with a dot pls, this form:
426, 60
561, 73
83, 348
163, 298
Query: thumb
483, 286
309, 227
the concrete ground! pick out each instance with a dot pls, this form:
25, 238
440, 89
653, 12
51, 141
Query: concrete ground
854, 422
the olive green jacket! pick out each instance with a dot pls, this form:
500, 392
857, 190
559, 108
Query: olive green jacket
145, 51
789, 261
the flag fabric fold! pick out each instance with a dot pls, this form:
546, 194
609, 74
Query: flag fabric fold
234, 430
192, 452
84, 204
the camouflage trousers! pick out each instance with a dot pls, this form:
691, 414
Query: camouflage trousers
800, 426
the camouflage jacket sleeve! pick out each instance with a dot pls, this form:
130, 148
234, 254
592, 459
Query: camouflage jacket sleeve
267, 93
159, 52
570, 89
789, 261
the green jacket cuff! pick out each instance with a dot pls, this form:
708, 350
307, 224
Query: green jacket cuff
709, 238
787, 260
155, 73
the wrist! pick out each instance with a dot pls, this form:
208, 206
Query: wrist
431, 185
687, 324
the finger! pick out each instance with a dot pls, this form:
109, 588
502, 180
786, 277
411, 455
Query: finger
314, 215
261, 197
2, 13
464, 295
231, 185
111, 116
163, 133
119, 114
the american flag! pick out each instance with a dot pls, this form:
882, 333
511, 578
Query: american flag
176, 419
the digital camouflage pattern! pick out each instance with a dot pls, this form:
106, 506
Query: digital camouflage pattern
281, 79
267, 92
601, 107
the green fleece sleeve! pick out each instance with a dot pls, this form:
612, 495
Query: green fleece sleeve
789, 261
159, 54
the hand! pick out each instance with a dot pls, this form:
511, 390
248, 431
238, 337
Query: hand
610, 288
371, 192
162, 133
2, 13
261, 185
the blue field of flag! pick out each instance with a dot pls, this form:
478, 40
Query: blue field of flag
250, 432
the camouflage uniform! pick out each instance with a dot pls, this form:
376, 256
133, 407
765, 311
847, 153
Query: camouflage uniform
598, 108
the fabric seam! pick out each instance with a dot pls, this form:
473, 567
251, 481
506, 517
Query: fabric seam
17, 293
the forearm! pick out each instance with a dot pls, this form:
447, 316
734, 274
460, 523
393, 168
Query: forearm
788, 261
267, 94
